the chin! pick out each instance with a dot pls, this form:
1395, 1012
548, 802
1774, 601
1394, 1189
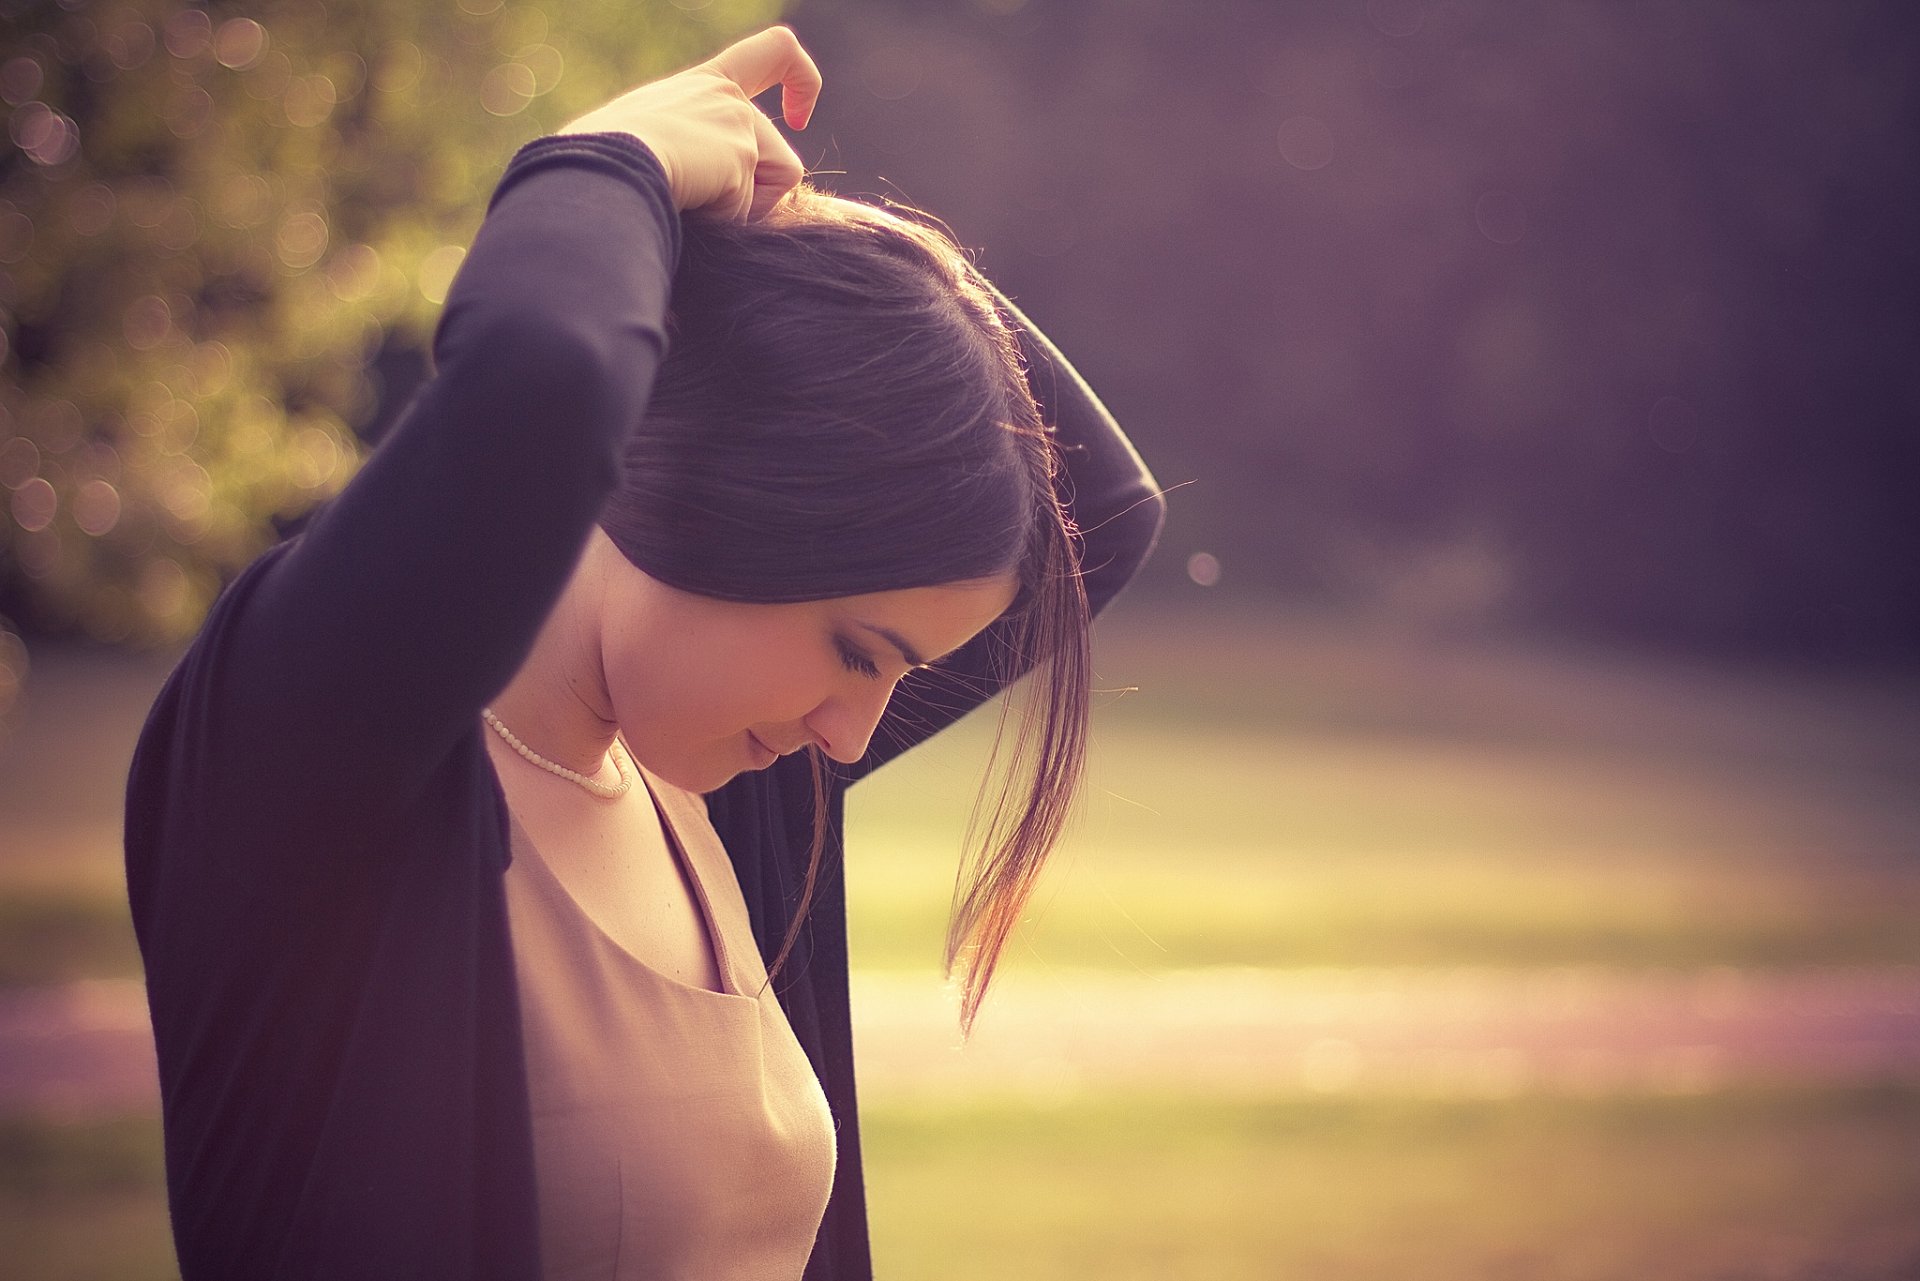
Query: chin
695, 776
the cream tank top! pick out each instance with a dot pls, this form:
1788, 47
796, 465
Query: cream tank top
678, 1133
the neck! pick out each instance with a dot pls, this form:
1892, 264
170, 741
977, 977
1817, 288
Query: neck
557, 702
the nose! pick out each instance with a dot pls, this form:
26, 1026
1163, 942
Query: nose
843, 725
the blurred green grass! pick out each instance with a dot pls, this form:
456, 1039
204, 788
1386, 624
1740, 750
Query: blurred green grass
1748, 1183
1282, 791
1777, 1184
83, 1201
50, 935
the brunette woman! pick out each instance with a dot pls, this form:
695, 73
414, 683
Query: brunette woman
462, 843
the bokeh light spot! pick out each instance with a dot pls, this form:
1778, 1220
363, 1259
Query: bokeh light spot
316, 459
437, 271
348, 72
129, 45
147, 201
35, 504
507, 89
1501, 217
239, 43
301, 240
479, 8
188, 33
20, 79
268, 78
58, 425
187, 492
309, 100
148, 407
892, 73
244, 201
19, 462
212, 368
546, 64
179, 426
518, 28
354, 273
29, 125
16, 234
96, 508
146, 322
1204, 569
189, 111
399, 69
1673, 424
90, 211
180, 227
47, 136
1306, 142
99, 461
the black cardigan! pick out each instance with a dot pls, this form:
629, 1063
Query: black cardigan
315, 834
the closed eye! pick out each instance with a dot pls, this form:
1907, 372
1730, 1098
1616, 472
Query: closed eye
856, 661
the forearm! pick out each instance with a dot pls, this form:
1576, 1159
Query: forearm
1113, 499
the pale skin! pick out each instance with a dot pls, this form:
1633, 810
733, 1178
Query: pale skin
696, 689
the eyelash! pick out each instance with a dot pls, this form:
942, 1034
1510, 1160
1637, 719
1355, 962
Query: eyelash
855, 661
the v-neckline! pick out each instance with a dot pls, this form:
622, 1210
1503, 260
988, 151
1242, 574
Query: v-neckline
689, 869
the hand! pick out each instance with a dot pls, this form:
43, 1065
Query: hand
722, 156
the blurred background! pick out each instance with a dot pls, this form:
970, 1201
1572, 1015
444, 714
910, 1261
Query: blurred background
1503, 852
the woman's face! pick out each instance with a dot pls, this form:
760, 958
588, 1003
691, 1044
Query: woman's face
704, 689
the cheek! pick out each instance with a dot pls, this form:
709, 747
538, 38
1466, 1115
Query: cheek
715, 687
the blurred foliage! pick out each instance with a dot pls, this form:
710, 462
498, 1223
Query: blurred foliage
212, 217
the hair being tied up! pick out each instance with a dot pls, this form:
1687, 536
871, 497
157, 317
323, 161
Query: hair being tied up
844, 409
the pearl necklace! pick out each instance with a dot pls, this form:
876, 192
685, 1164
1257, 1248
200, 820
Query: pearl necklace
606, 791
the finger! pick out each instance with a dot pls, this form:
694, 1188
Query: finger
778, 171
773, 57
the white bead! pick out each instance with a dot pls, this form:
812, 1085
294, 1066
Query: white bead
607, 791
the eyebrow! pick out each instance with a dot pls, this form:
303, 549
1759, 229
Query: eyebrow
899, 642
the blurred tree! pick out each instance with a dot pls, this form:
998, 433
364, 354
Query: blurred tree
211, 217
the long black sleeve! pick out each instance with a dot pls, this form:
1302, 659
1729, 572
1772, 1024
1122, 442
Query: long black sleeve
367, 649
314, 832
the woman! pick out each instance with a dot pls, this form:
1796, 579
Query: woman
453, 973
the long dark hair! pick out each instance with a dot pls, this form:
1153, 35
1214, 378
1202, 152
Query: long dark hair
844, 409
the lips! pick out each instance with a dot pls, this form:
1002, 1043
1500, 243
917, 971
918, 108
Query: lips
763, 755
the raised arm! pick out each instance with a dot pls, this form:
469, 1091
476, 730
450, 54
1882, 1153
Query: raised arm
361, 651
1113, 499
